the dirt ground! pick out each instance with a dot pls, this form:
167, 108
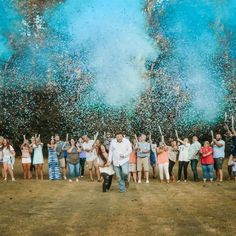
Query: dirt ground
30, 207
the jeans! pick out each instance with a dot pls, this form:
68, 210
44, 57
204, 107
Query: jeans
82, 164
207, 171
107, 181
183, 165
74, 170
194, 163
171, 166
122, 175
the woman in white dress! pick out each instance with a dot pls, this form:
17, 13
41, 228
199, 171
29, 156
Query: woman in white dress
8, 158
38, 158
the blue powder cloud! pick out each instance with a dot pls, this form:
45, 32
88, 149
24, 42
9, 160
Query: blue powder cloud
112, 40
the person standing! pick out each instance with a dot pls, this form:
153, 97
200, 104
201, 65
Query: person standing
172, 156
219, 154
60, 149
163, 162
120, 149
194, 156
38, 158
53, 163
143, 155
153, 157
73, 161
88, 146
82, 157
8, 155
207, 161
133, 161
183, 159
26, 158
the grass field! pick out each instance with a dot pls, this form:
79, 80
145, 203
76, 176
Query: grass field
30, 207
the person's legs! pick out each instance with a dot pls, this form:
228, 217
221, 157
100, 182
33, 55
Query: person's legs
216, 169
135, 176
28, 170
230, 171
71, 171
220, 166
204, 172
97, 171
24, 166
82, 163
181, 164
105, 184
154, 171
210, 172
139, 169
5, 170
171, 166
41, 171
9, 169
125, 171
90, 166
185, 170
166, 170
146, 168
36, 171
194, 169
77, 170
110, 182
160, 166
121, 183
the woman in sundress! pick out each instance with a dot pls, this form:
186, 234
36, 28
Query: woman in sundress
53, 163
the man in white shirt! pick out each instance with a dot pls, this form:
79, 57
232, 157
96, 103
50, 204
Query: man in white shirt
120, 149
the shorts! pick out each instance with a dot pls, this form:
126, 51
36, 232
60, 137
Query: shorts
62, 162
26, 160
234, 173
92, 164
218, 163
7, 160
132, 167
143, 163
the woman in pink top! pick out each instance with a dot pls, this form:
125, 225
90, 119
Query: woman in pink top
163, 161
26, 158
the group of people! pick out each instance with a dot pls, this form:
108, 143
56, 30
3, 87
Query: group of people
129, 158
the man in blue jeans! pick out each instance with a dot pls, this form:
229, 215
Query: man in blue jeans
194, 156
120, 149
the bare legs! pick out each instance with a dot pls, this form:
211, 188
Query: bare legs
26, 170
39, 171
8, 168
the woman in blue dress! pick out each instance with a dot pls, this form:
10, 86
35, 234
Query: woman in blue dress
53, 163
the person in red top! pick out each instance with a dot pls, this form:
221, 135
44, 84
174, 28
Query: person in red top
207, 161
